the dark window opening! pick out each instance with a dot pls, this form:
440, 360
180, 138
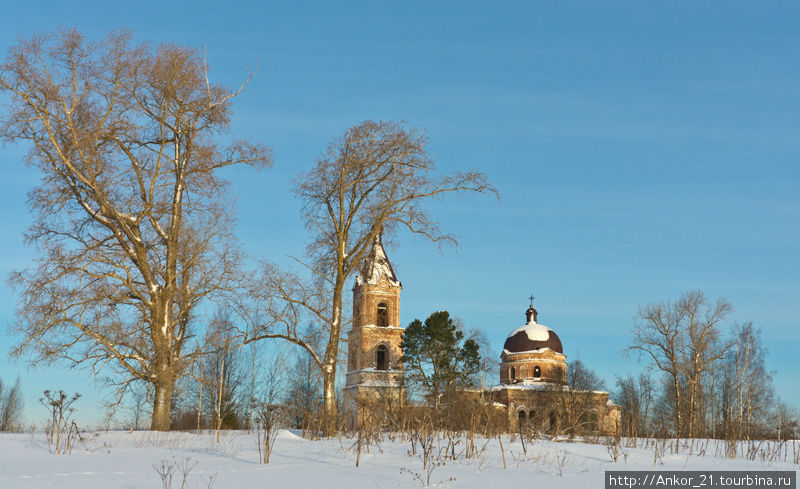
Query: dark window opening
511, 373
537, 372
383, 315
553, 421
522, 419
381, 358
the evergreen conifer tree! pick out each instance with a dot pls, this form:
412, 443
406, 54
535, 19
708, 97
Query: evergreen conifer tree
436, 356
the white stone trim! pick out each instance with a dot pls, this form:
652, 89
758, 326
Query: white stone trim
371, 326
373, 370
535, 360
375, 383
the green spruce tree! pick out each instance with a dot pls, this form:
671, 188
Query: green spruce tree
437, 358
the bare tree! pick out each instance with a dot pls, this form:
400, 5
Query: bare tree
682, 340
581, 377
747, 393
11, 403
705, 346
575, 404
635, 395
225, 378
270, 419
374, 179
139, 400
303, 393
490, 367
131, 218
61, 411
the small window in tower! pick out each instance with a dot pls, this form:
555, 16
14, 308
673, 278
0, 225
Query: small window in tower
511, 373
537, 372
382, 358
383, 315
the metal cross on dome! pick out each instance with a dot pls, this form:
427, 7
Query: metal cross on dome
531, 298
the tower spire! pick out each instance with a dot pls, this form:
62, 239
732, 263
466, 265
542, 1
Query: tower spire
376, 264
531, 313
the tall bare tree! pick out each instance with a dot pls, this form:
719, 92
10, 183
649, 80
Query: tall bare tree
635, 395
11, 404
131, 218
682, 339
747, 392
376, 178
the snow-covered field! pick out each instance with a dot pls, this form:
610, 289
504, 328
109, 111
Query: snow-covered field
127, 460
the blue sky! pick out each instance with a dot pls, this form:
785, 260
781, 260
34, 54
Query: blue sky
642, 149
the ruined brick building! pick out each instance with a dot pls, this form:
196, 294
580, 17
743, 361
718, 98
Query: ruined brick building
533, 385
533, 371
374, 369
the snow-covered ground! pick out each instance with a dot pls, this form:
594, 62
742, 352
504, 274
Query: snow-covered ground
127, 460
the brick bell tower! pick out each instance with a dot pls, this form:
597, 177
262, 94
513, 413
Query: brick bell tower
374, 370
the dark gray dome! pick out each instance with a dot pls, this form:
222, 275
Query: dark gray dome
532, 336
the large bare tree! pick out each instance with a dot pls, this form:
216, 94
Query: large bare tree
682, 339
746, 392
374, 179
131, 219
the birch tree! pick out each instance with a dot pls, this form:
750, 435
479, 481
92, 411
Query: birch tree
131, 219
376, 178
747, 392
681, 339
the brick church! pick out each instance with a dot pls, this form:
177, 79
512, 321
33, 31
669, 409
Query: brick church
533, 370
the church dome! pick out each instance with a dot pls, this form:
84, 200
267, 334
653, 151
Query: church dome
532, 337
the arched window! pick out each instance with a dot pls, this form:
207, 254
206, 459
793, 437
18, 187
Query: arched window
522, 418
537, 372
553, 421
382, 358
511, 373
383, 315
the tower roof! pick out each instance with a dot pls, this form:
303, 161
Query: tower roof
377, 265
532, 336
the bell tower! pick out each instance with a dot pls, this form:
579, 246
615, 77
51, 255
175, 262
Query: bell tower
374, 370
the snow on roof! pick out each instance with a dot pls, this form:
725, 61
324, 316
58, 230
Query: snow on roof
538, 350
534, 331
377, 265
538, 386
544, 386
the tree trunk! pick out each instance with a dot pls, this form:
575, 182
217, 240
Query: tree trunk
331, 356
252, 392
678, 405
329, 396
164, 381
200, 401
162, 405
221, 385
